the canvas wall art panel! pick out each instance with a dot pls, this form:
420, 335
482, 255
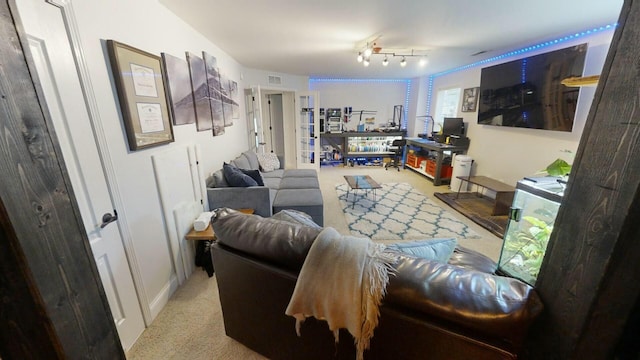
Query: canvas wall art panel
180, 94
235, 98
470, 99
200, 92
227, 101
215, 98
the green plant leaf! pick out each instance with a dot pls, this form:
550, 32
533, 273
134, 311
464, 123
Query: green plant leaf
558, 168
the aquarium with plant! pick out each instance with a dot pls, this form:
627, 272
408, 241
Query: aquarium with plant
528, 231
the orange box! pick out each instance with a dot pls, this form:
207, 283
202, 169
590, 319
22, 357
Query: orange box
413, 160
445, 171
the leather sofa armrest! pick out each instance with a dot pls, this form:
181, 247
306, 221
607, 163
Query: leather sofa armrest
482, 302
257, 198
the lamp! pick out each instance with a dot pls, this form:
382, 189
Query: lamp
372, 49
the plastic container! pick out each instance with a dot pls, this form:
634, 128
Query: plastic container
461, 167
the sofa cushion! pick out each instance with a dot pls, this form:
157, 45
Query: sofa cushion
433, 249
281, 242
219, 180
253, 160
272, 183
255, 175
241, 162
278, 173
299, 183
237, 178
496, 305
268, 162
300, 173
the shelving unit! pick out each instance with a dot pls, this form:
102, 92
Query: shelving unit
365, 145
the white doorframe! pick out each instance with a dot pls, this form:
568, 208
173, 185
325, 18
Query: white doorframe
71, 24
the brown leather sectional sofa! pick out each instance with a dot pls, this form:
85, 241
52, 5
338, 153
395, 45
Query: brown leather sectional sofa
459, 310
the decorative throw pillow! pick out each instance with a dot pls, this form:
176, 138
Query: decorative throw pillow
432, 249
268, 162
255, 175
296, 217
237, 178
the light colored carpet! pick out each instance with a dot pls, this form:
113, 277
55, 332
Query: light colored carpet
398, 212
190, 325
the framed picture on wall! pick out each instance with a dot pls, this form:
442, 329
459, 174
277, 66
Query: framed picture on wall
470, 99
139, 82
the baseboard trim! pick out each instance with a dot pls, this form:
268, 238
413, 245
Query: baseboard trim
163, 297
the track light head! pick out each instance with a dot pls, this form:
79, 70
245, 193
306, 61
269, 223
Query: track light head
385, 62
360, 57
366, 62
403, 62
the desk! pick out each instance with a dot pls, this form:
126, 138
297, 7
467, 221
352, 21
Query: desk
504, 192
439, 149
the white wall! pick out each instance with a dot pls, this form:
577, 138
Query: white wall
509, 154
147, 25
373, 95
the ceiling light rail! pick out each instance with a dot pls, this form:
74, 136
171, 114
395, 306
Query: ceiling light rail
371, 49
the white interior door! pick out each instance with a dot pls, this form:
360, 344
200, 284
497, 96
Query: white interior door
255, 130
307, 130
56, 71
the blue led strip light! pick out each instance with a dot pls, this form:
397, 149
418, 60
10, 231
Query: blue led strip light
531, 48
514, 53
403, 124
429, 93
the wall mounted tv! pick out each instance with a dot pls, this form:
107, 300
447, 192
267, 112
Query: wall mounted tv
528, 93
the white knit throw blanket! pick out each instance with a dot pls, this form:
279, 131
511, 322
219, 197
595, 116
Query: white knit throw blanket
343, 281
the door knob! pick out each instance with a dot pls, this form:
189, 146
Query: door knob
108, 219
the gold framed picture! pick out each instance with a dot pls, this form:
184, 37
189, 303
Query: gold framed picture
139, 82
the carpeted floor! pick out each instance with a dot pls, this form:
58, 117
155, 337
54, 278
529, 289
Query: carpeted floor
191, 327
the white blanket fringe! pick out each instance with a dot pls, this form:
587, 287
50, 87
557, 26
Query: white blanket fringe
343, 281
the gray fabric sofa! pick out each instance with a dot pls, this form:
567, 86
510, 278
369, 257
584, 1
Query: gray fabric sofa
295, 189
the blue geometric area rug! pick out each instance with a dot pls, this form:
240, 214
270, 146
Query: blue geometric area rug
400, 213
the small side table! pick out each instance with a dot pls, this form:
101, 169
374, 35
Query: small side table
203, 244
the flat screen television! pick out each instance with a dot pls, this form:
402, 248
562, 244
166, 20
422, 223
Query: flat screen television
527, 92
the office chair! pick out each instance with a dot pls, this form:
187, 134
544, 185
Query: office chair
398, 148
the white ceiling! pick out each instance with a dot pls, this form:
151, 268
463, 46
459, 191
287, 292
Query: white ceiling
320, 38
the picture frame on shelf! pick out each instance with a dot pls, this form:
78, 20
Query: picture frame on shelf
470, 99
139, 81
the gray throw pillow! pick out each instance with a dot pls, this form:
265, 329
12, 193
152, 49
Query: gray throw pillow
296, 217
237, 178
431, 249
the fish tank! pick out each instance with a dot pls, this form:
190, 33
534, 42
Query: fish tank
531, 219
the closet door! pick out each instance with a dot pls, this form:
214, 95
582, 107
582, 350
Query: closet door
307, 130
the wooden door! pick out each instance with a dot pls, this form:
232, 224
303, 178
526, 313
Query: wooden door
62, 93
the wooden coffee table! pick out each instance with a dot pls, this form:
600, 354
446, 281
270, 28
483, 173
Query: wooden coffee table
504, 192
361, 182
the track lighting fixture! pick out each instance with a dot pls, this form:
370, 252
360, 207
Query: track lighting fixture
372, 49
